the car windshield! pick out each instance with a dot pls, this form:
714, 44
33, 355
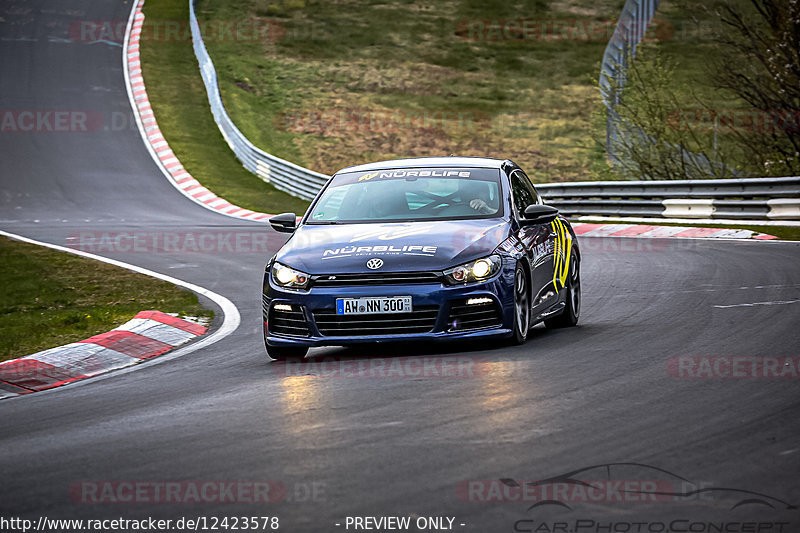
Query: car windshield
410, 194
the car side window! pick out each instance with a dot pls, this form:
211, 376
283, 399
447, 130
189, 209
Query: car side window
522, 193
527, 181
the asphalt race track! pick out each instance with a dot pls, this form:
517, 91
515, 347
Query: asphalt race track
377, 446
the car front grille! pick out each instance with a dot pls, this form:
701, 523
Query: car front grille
421, 320
464, 317
284, 322
384, 278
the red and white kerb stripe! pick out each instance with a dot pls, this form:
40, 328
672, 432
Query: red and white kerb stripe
644, 231
148, 334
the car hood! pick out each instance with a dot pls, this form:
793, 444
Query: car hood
406, 246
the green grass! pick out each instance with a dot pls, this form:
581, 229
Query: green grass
50, 298
533, 100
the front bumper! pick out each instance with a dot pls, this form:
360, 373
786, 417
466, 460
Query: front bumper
442, 306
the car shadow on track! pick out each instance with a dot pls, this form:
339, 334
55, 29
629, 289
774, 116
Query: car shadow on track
488, 349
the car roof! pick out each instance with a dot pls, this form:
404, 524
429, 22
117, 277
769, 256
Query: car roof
434, 162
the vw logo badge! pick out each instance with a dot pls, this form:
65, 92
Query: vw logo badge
374, 263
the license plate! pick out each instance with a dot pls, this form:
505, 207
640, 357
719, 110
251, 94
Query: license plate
373, 306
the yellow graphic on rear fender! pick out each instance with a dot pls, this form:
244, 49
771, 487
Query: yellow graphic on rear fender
561, 254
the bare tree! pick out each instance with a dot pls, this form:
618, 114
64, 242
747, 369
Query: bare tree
759, 62
654, 142
668, 132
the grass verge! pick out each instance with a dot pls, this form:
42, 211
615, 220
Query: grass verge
49, 298
340, 83
416, 87
353, 81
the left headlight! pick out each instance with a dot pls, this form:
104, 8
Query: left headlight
288, 277
478, 270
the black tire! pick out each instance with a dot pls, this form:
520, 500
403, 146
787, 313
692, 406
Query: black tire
569, 316
281, 353
522, 306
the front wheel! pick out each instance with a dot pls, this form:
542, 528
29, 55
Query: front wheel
522, 306
569, 316
281, 353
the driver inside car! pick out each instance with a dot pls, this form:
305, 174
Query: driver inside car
477, 194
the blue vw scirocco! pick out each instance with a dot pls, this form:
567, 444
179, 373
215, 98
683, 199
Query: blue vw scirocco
420, 249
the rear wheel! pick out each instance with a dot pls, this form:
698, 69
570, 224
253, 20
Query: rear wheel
569, 316
522, 306
281, 353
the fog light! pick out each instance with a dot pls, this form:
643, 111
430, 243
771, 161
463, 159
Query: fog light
478, 301
282, 307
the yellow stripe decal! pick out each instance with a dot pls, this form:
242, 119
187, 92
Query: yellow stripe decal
568, 246
555, 254
563, 246
561, 254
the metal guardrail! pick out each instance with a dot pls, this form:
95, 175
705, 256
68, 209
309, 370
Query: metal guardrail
750, 199
284, 175
629, 32
756, 199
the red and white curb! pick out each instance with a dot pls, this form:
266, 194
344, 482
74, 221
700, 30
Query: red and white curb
151, 134
163, 332
643, 231
148, 334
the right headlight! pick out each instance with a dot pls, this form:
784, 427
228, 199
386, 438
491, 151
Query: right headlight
288, 277
478, 270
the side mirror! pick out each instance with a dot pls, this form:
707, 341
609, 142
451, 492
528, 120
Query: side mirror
538, 214
284, 223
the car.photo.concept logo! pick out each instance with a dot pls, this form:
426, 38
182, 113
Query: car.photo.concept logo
633, 498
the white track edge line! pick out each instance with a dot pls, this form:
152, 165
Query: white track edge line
230, 322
